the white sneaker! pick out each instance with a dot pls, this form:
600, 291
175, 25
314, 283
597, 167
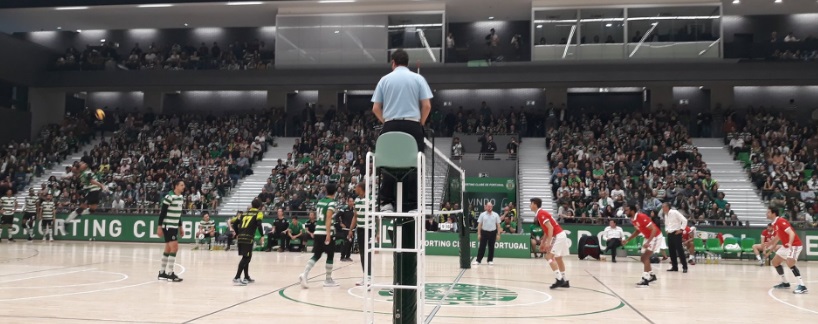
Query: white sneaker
475, 262
330, 283
491, 262
51, 240
303, 280
239, 282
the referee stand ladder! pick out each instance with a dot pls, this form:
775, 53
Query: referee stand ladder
396, 155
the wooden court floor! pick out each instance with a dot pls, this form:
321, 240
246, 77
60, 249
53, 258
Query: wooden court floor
96, 282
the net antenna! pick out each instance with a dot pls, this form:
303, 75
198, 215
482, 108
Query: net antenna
426, 44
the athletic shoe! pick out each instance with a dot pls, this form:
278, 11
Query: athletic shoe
173, 278
565, 284
800, 290
195, 248
782, 285
491, 262
330, 283
249, 280
12, 240
652, 278
760, 263
303, 280
664, 258
30, 238
475, 262
643, 284
691, 262
239, 282
557, 284
51, 240
162, 276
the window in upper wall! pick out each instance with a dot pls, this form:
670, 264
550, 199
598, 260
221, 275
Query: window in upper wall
600, 26
554, 26
674, 24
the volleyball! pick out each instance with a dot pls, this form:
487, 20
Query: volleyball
100, 114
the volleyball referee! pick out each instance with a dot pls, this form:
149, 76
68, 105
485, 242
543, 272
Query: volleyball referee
401, 103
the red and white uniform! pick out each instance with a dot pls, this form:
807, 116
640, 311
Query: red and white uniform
560, 244
780, 227
767, 236
686, 233
645, 226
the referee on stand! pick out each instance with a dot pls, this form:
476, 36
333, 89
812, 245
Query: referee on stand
675, 224
402, 103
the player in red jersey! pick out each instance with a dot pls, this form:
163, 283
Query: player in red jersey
766, 236
555, 244
788, 252
653, 237
688, 235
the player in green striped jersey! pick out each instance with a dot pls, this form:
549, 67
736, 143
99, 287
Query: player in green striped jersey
169, 228
323, 237
46, 214
7, 219
360, 228
207, 231
30, 213
91, 187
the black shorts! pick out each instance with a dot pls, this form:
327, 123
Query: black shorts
7, 220
27, 216
319, 246
170, 234
92, 197
245, 249
48, 223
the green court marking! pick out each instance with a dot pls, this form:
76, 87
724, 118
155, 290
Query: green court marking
505, 296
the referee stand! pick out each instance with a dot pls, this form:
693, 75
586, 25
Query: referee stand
396, 155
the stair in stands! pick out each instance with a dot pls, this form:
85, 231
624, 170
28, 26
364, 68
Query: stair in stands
733, 180
250, 187
535, 177
57, 170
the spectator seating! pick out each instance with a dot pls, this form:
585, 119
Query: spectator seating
778, 154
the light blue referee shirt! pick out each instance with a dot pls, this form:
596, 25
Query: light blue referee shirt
400, 92
489, 221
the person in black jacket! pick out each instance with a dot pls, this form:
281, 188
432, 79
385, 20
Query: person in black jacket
280, 225
487, 146
343, 224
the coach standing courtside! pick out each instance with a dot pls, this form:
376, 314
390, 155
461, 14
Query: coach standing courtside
675, 224
401, 102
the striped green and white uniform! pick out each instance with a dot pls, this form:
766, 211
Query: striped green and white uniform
31, 204
48, 208
174, 204
8, 205
321, 208
207, 225
85, 179
360, 209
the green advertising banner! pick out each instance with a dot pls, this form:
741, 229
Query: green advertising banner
118, 228
509, 245
808, 236
498, 191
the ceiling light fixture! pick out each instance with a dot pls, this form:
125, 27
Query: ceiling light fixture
491, 18
71, 8
59, 28
779, 1
244, 3
539, 26
336, 1
736, 1
337, 31
102, 40
157, 5
608, 25
79, 30
185, 24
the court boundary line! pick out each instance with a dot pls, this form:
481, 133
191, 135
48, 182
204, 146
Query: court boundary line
770, 293
82, 319
257, 297
620, 297
10, 260
50, 269
47, 275
446, 294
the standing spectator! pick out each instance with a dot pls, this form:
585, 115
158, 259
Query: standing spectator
512, 147
488, 232
487, 146
457, 149
343, 221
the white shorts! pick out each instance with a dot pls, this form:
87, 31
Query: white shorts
561, 245
654, 245
662, 244
789, 253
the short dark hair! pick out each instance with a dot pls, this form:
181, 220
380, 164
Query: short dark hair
537, 202
400, 57
331, 188
773, 210
632, 207
256, 203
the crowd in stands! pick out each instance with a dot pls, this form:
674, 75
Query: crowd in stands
233, 57
332, 148
780, 156
791, 48
141, 159
21, 161
600, 164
